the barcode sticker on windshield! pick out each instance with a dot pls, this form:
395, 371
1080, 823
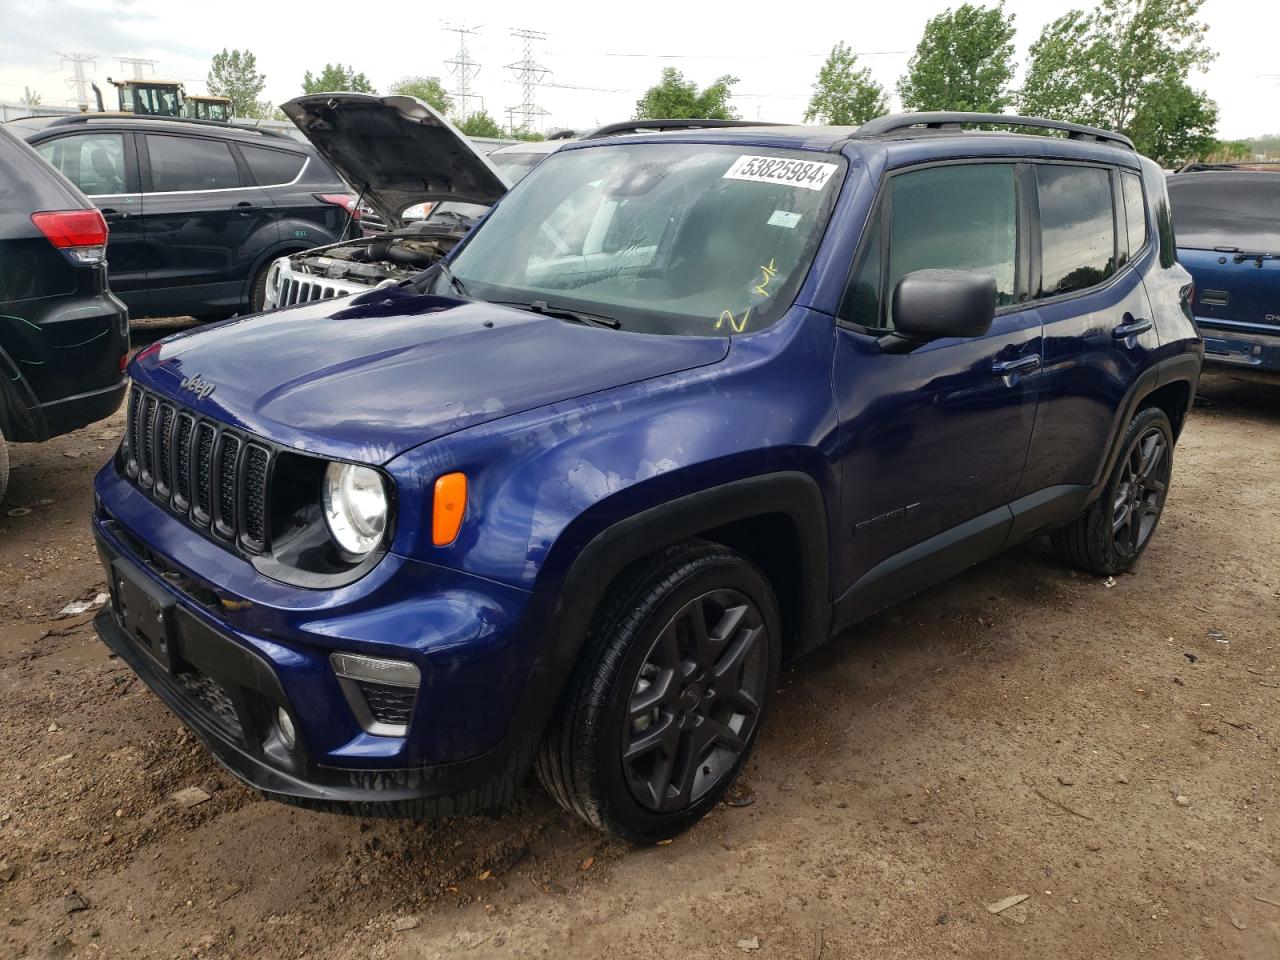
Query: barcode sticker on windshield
809, 174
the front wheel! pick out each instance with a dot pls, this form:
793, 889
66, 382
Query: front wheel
4, 467
1113, 533
669, 695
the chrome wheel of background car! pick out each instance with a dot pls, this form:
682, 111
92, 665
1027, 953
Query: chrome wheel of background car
696, 701
1140, 492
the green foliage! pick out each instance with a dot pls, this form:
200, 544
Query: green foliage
843, 94
1175, 124
428, 89
480, 125
234, 74
1225, 151
1268, 146
1125, 66
335, 78
675, 97
523, 134
964, 61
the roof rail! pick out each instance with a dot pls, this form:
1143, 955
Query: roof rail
660, 126
956, 121
72, 118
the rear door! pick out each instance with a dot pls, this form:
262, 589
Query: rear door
1098, 327
205, 222
1228, 232
104, 165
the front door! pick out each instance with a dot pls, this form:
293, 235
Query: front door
932, 443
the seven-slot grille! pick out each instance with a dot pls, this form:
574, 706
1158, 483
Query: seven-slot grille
213, 477
294, 291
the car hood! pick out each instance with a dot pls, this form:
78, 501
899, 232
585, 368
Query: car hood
397, 151
393, 369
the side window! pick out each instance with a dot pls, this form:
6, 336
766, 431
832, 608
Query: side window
93, 162
1077, 227
1135, 212
190, 163
956, 217
272, 166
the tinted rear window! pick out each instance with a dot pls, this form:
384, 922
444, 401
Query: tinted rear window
1239, 210
1077, 227
272, 166
191, 163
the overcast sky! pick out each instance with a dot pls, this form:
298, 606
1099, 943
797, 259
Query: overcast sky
600, 57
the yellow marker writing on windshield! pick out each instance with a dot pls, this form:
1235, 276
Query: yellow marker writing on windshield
767, 273
726, 316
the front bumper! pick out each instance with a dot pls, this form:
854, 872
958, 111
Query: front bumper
226, 648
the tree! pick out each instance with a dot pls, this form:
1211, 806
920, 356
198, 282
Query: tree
336, 77
843, 94
521, 133
428, 89
1126, 66
234, 74
675, 97
964, 61
480, 125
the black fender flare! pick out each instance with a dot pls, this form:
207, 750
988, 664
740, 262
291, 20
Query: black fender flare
1183, 368
576, 597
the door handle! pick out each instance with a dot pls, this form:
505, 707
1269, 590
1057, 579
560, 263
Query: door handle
244, 209
1011, 368
110, 214
1131, 328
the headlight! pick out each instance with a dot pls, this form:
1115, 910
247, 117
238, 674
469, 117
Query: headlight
355, 507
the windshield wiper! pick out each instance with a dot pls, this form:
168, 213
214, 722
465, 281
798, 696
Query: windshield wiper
454, 281
563, 313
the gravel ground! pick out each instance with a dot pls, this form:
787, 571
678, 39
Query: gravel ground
1110, 752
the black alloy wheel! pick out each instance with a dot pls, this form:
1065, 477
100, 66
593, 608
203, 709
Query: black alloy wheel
668, 695
1110, 536
1140, 492
696, 701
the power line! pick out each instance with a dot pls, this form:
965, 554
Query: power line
463, 68
137, 63
529, 73
78, 81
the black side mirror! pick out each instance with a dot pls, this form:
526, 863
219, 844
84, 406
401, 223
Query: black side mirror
933, 304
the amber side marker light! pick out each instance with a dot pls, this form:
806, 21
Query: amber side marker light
450, 505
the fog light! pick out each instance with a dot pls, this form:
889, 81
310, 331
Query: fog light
284, 726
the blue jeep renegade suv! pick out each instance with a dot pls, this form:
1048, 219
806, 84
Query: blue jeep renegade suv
682, 405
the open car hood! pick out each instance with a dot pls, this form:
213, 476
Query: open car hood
398, 150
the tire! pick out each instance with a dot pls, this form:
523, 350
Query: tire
258, 292
4, 466
643, 708
1111, 535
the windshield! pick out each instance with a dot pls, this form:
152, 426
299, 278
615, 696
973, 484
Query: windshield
661, 237
514, 165
1232, 210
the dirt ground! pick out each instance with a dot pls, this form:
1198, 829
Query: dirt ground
1109, 751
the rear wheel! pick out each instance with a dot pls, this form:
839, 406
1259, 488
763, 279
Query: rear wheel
667, 700
258, 292
1112, 534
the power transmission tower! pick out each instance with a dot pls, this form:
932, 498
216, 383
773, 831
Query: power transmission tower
463, 69
529, 73
78, 81
137, 63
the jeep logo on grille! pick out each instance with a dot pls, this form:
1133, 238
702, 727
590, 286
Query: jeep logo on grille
198, 385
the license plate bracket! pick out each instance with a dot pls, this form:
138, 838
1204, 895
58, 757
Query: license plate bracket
145, 612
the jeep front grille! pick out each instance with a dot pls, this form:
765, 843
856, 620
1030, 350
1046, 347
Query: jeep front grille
293, 290
215, 478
